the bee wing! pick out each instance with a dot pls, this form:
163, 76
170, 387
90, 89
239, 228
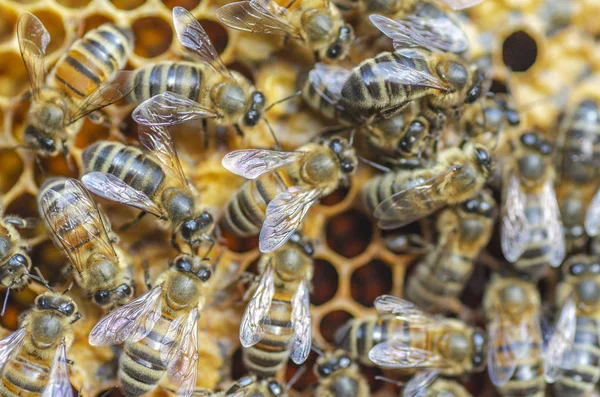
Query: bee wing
59, 384
252, 163
128, 323
251, 330
160, 143
592, 217
254, 17
169, 108
106, 94
33, 40
457, 5
112, 188
193, 38
436, 33
560, 346
284, 215
552, 220
414, 203
9, 344
397, 354
418, 383
181, 353
301, 323
514, 222
71, 224
502, 360
328, 81
388, 304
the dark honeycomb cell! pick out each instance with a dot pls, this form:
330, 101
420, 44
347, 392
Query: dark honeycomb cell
153, 36
25, 206
12, 167
519, 51
8, 23
307, 380
55, 26
237, 244
217, 33
331, 322
237, 364
370, 281
95, 20
55, 166
90, 133
349, 233
324, 283
336, 197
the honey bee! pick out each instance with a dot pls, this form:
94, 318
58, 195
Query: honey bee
316, 23
531, 231
283, 186
159, 329
84, 235
250, 386
579, 292
15, 263
463, 231
276, 324
85, 79
427, 384
33, 358
153, 182
339, 376
403, 337
515, 337
401, 197
174, 92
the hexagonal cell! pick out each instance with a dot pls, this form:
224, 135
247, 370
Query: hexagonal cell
349, 233
55, 166
519, 51
370, 373
153, 36
187, 4
25, 206
95, 20
324, 282
127, 4
370, 281
51, 262
12, 167
217, 33
79, 4
336, 197
308, 379
239, 244
90, 133
55, 26
331, 322
8, 23
237, 364
13, 76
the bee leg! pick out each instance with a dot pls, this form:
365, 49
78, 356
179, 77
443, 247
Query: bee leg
77, 317
407, 244
69, 159
205, 132
238, 130
491, 261
175, 244
40, 166
212, 245
22, 223
146, 268
133, 222
316, 56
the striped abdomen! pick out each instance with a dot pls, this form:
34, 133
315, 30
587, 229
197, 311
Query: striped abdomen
140, 366
581, 151
127, 163
245, 212
322, 101
92, 60
182, 78
267, 356
24, 375
581, 379
535, 257
383, 186
367, 91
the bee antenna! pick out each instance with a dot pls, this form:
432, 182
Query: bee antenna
351, 139
272, 133
26, 147
41, 279
287, 98
299, 372
6, 298
316, 350
68, 289
389, 380
374, 164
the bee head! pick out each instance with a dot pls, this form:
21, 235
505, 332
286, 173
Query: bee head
479, 343
190, 277
414, 134
255, 113
345, 154
532, 165
341, 46
194, 265
585, 271
477, 88
118, 296
275, 388
61, 304
196, 229
17, 269
303, 243
330, 363
481, 204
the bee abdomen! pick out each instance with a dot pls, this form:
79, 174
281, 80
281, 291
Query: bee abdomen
25, 376
127, 163
140, 369
93, 59
185, 79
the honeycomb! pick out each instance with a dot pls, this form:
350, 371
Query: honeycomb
352, 263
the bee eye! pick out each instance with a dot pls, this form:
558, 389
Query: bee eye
529, 139
101, 297
336, 145
484, 157
545, 148
513, 117
205, 218
251, 118
275, 388
47, 144
183, 265
347, 167
125, 290
595, 268
188, 228
576, 269
43, 303
309, 249
17, 260
204, 274
67, 309
334, 51
325, 370
344, 361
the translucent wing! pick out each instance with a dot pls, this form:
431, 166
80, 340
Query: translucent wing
413, 203
193, 38
433, 32
112, 188
328, 81
552, 220
252, 163
405, 310
397, 354
106, 94
168, 109
180, 353
514, 221
10, 344
592, 217
457, 5
71, 224
418, 383
254, 17
33, 40
129, 323
251, 330
58, 381
284, 215
301, 323
159, 142
502, 360
558, 352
